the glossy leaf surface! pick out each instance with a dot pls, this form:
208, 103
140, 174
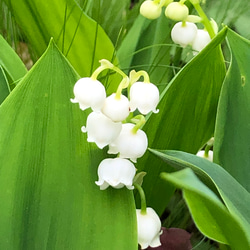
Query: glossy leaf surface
210, 215
4, 86
48, 170
231, 148
79, 37
186, 118
235, 197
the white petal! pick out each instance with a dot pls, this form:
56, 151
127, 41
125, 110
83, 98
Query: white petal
183, 34
89, 93
116, 109
202, 39
116, 172
149, 228
101, 129
128, 144
202, 154
144, 97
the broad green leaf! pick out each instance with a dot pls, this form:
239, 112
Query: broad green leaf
186, 118
79, 37
49, 199
231, 148
10, 61
235, 197
112, 15
126, 51
209, 214
4, 86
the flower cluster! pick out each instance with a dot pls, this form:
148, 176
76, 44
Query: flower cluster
111, 122
185, 32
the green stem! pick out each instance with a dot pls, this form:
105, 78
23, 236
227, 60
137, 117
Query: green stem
204, 18
207, 148
105, 64
209, 145
142, 197
134, 76
123, 84
139, 121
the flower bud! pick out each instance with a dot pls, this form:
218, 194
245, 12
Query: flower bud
89, 93
202, 154
129, 144
149, 228
183, 33
101, 129
177, 11
117, 109
150, 9
202, 39
116, 172
144, 97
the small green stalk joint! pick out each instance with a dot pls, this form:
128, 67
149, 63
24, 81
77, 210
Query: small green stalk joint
134, 76
105, 64
123, 84
183, 24
139, 121
209, 145
142, 197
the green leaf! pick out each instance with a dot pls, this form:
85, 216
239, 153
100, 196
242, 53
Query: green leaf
186, 118
112, 15
150, 49
49, 199
231, 147
4, 86
79, 37
10, 61
208, 212
235, 197
126, 51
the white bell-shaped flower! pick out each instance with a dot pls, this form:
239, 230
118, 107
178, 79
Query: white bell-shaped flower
183, 33
129, 144
149, 228
150, 9
144, 97
203, 155
117, 109
177, 11
89, 93
202, 39
101, 129
116, 172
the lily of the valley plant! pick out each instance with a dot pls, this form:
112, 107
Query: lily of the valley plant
124, 125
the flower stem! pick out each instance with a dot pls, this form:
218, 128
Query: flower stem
204, 18
123, 84
134, 76
142, 197
208, 147
139, 121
